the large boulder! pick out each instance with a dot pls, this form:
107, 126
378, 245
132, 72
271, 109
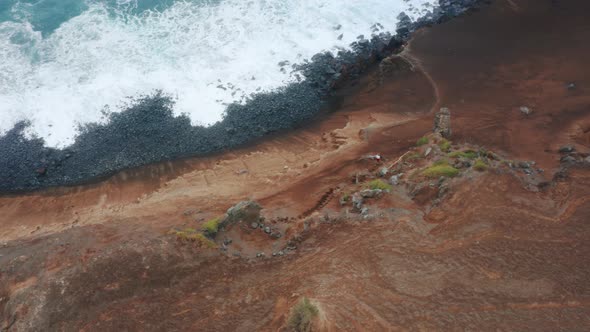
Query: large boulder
245, 211
442, 122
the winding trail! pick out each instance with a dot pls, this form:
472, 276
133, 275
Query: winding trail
406, 54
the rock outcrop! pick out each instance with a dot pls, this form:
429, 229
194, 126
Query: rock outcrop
442, 122
245, 211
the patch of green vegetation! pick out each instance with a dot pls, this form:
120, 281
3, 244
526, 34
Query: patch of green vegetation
442, 169
302, 316
469, 154
445, 145
423, 140
346, 197
191, 235
211, 227
379, 184
480, 165
413, 156
440, 162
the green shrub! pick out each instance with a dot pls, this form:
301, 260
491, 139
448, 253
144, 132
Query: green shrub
480, 165
204, 241
423, 140
379, 184
191, 235
440, 162
211, 227
444, 145
469, 154
436, 171
413, 156
302, 315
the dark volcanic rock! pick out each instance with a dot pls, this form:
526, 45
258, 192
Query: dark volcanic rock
566, 149
147, 132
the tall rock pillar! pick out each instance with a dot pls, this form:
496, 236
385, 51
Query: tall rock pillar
442, 122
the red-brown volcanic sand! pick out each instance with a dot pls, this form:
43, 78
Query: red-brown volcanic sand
494, 254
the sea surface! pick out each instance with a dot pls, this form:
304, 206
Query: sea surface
66, 63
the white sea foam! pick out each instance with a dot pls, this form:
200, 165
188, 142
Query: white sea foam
98, 59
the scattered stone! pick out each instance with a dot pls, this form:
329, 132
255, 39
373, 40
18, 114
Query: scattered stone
340, 37
371, 193
525, 110
357, 201
338, 27
254, 225
383, 171
442, 122
567, 149
365, 211
427, 152
568, 159
227, 241
587, 160
524, 164
267, 230
260, 254
281, 253
276, 235
394, 179
571, 86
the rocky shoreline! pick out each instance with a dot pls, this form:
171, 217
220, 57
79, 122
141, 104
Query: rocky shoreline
147, 132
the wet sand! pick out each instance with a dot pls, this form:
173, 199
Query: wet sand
493, 255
